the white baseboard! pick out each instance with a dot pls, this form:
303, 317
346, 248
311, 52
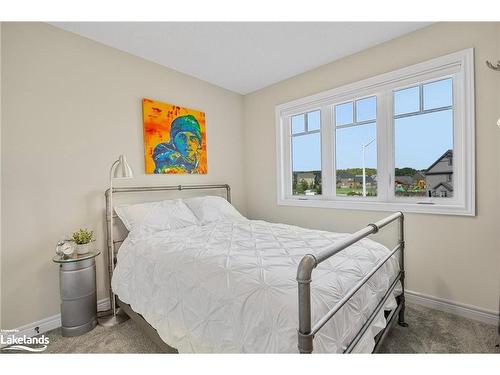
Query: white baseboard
48, 324
441, 304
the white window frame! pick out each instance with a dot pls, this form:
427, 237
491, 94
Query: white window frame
459, 66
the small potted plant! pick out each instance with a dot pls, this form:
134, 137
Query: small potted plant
83, 239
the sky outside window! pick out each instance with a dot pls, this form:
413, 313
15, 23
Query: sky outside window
355, 147
306, 153
420, 139
423, 141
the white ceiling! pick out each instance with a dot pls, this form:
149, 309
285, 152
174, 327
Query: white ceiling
241, 57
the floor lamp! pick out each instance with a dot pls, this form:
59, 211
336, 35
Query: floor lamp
119, 170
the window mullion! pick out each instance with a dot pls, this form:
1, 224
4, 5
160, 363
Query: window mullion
384, 147
327, 153
286, 134
390, 161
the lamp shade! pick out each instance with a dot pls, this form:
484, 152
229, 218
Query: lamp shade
122, 169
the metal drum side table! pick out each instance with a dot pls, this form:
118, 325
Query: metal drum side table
77, 283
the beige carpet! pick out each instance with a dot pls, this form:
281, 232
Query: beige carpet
430, 331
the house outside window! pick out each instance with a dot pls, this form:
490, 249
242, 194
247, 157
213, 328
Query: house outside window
403, 141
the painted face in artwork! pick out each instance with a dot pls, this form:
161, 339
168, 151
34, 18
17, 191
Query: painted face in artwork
189, 145
181, 154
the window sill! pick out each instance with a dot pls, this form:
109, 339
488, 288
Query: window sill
437, 208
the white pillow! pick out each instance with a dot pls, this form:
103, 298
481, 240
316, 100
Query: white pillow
156, 216
211, 209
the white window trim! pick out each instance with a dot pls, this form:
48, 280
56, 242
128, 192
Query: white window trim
460, 65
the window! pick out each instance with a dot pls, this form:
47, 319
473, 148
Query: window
403, 140
306, 154
356, 148
423, 134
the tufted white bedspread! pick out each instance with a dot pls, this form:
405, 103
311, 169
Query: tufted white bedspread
230, 286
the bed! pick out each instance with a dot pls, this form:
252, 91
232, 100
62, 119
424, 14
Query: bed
231, 286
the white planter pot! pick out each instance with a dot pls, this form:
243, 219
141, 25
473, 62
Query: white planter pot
85, 248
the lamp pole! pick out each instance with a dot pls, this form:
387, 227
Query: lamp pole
119, 169
111, 251
364, 171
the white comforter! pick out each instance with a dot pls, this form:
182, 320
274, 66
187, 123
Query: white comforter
230, 286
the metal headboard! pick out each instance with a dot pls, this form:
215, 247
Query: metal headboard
110, 215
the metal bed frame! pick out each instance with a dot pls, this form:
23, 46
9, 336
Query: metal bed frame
309, 262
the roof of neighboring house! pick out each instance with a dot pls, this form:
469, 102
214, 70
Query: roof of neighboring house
418, 176
407, 180
410, 179
446, 185
448, 153
359, 178
344, 175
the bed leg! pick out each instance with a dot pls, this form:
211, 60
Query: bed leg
305, 338
401, 315
402, 301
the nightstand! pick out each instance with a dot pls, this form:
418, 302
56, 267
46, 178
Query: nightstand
77, 284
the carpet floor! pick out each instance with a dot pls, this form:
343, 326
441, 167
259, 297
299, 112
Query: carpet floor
429, 331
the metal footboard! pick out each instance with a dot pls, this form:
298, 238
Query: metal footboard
309, 262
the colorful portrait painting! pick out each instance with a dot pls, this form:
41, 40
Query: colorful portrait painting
174, 139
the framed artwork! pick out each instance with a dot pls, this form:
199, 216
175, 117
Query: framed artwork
174, 139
